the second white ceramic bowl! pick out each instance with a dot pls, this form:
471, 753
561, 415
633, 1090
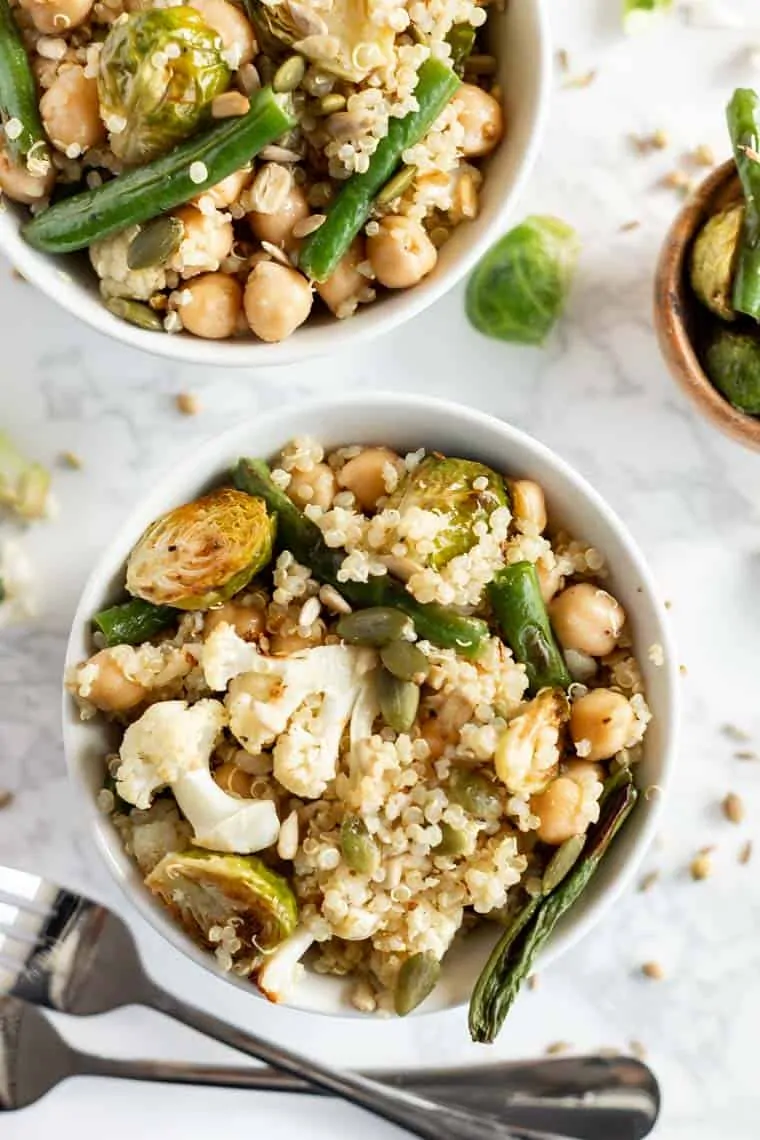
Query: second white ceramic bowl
405, 423
522, 45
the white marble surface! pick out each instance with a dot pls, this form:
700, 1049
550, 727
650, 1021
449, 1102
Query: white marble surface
599, 395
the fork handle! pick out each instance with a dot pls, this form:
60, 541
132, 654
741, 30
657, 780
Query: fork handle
422, 1117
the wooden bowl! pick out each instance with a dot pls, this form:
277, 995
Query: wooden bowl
682, 322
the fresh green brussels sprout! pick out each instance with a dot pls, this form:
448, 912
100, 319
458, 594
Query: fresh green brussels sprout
713, 261
519, 289
159, 71
732, 361
447, 486
203, 890
342, 39
201, 553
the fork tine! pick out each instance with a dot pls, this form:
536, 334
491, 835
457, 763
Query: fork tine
18, 934
34, 904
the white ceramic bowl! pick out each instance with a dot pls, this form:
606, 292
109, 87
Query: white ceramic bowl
405, 423
523, 47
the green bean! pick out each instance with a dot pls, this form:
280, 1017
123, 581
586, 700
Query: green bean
743, 113
133, 622
515, 595
296, 533
166, 182
322, 250
18, 93
416, 980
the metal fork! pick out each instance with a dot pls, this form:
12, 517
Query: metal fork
594, 1098
64, 951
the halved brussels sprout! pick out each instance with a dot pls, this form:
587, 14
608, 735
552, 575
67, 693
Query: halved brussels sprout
201, 553
159, 71
203, 890
342, 37
447, 486
713, 261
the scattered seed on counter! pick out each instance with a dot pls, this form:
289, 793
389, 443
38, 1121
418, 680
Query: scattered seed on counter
6, 798
533, 982
628, 227
70, 459
637, 1049
676, 180
579, 81
745, 754
187, 403
563, 61
701, 867
702, 155
733, 808
653, 971
733, 732
649, 881
646, 144
555, 1048
745, 853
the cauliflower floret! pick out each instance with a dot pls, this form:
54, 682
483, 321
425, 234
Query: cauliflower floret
171, 745
207, 241
282, 969
19, 600
527, 754
109, 260
301, 703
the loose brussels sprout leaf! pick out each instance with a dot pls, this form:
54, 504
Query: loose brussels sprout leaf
159, 71
519, 289
342, 39
446, 486
713, 261
638, 14
24, 485
733, 365
203, 890
200, 554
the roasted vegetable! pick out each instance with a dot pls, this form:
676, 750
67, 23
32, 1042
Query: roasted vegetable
204, 890
713, 261
513, 956
133, 622
201, 553
141, 194
24, 485
519, 289
515, 596
19, 100
447, 487
527, 752
159, 70
304, 539
732, 361
744, 128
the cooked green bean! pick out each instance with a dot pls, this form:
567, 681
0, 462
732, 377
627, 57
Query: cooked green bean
349, 210
166, 182
18, 94
133, 622
515, 595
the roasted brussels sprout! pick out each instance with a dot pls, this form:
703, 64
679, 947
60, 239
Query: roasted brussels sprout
201, 553
204, 890
341, 38
159, 71
447, 487
713, 261
733, 364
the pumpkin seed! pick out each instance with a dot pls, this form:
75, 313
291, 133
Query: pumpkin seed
454, 841
473, 792
404, 660
477, 64
289, 74
155, 243
562, 862
331, 103
399, 701
375, 626
396, 186
416, 979
359, 849
135, 313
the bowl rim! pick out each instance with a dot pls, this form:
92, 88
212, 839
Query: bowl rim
671, 299
380, 319
226, 441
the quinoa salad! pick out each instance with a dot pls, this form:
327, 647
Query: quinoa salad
363, 703
233, 167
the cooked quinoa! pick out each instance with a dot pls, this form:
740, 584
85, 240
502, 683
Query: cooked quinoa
259, 738
122, 83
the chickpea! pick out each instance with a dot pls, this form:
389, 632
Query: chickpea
111, 690
235, 780
344, 283
528, 506
207, 241
401, 254
565, 809
56, 17
482, 118
247, 621
605, 720
230, 22
549, 580
216, 301
317, 486
277, 300
20, 185
277, 228
71, 112
364, 475
283, 644
587, 618
228, 190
